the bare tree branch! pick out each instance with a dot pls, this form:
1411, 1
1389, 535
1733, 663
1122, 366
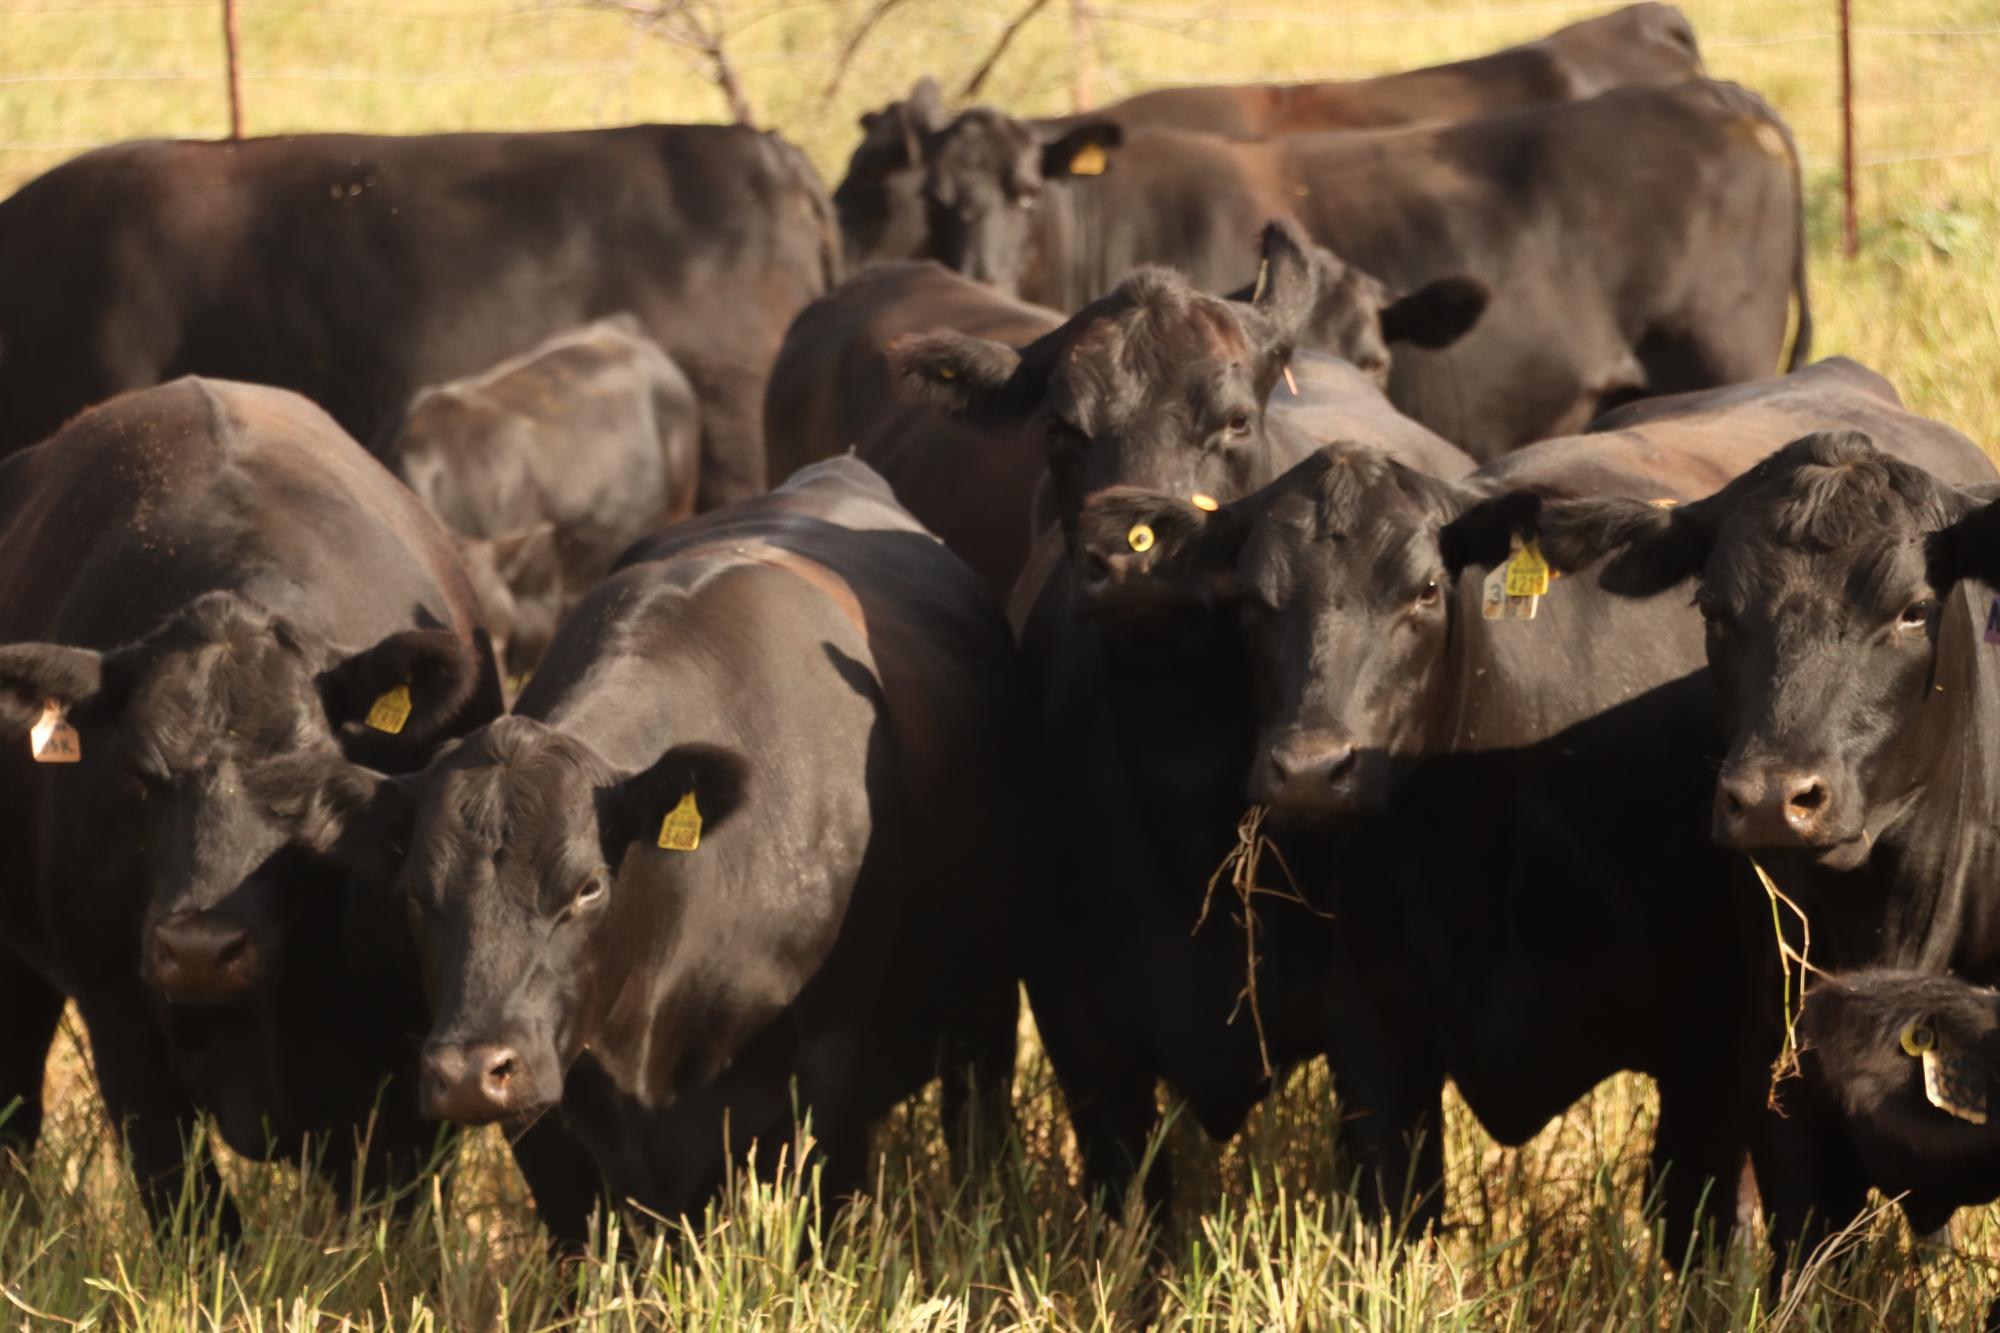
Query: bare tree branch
1083, 54
694, 26
875, 15
978, 80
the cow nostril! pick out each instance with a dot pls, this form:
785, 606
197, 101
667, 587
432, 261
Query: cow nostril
1807, 799
500, 1070
1732, 804
1096, 569
1342, 765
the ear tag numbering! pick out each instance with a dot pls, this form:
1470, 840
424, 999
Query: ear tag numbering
1945, 1085
391, 712
1089, 161
1498, 599
1527, 572
1140, 538
52, 740
680, 831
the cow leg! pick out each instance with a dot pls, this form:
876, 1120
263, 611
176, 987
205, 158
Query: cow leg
33, 1009
145, 1097
1391, 1128
564, 1180
1112, 1111
1696, 1164
976, 1081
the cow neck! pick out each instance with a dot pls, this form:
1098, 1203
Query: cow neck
1065, 265
1936, 869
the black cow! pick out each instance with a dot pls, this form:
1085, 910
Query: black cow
833, 387
573, 450
880, 201
757, 829
1846, 584
1502, 818
220, 600
1647, 241
357, 268
1162, 382
1913, 1062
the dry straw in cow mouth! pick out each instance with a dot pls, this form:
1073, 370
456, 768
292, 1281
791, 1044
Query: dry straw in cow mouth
1787, 1063
1240, 868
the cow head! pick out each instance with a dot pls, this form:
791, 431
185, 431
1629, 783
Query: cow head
1868, 1035
1342, 572
217, 747
983, 180
880, 202
1357, 317
522, 877
1156, 384
1820, 573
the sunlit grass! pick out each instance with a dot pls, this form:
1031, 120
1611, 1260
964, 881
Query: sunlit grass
1553, 1236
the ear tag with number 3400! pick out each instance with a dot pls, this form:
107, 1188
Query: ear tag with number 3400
52, 740
680, 831
391, 711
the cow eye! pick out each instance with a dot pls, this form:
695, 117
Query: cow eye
1917, 614
1711, 610
1430, 596
1240, 424
588, 895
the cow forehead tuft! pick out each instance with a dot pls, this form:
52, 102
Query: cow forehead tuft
1837, 496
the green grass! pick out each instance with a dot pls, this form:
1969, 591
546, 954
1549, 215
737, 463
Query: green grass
1552, 1236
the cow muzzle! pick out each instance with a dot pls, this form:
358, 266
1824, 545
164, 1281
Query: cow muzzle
1306, 771
477, 1083
1771, 808
200, 958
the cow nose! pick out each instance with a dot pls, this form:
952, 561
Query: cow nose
471, 1084
1771, 808
201, 958
1306, 769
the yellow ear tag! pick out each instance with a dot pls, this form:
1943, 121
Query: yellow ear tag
391, 711
1140, 538
1205, 503
946, 373
1089, 161
52, 740
1527, 572
680, 831
1497, 598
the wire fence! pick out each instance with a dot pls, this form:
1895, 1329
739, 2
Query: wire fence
78, 73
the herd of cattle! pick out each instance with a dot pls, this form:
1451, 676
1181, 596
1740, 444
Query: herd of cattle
1170, 499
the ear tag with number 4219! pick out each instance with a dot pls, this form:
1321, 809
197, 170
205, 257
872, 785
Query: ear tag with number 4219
391, 711
52, 740
1513, 591
680, 831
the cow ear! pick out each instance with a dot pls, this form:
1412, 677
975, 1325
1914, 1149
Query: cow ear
684, 796
360, 817
1648, 545
1140, 551
924, 107
1483, 533
33, 673
1083, 151
1289, 281
1437, 314
391, 703
961, 375
1969, 548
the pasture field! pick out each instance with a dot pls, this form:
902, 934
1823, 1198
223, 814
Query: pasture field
1554, 1235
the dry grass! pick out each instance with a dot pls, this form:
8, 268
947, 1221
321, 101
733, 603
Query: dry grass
1552, 1236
